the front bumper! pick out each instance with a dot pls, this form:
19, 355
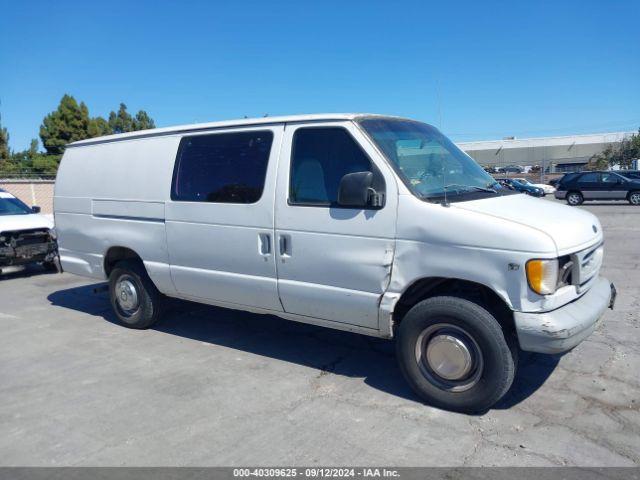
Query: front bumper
15, 256
562, 329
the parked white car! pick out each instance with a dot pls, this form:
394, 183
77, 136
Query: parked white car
371, 224
25, 235
548, 189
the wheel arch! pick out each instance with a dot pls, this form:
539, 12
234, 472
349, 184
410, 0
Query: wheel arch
631, 192
428, 287
574, 190
115, 254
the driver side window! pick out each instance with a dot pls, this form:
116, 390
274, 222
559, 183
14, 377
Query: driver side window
320, 157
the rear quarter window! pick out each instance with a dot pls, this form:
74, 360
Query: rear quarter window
589, 178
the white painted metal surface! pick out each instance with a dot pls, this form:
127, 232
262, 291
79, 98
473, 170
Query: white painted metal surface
228, 124
344, 268
24, 222
215, 247
340, 259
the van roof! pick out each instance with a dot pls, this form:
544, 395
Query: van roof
318, 117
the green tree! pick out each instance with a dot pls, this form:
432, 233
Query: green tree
4, 144
143, 121
24, 160
33, 148
68, 123
5, 153
629, 150
38, 162
621, 155
98, 127
31, 161
6, 165
46, 164
122, 121
600, 161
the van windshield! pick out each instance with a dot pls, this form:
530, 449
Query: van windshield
428, 162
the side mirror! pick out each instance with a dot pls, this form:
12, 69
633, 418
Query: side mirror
36, 209
355, 190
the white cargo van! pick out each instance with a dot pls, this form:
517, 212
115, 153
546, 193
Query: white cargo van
371, 224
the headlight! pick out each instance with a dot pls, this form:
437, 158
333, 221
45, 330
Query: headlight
542, 276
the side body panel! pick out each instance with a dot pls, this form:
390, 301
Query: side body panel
224, 251
590, 186
614, 187
113, 194
334, 263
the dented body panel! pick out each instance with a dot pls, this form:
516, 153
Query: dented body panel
563, 329
341, 259
461, 242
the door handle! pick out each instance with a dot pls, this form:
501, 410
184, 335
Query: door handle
264, 243
285, 245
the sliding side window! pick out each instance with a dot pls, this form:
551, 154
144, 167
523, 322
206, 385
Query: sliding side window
222, 167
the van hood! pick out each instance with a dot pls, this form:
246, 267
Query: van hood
570, 228
24, 222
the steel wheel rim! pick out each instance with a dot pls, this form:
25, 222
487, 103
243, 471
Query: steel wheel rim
448, 357
635, 198
126, 295
574, 199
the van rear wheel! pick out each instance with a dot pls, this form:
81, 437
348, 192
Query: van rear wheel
135, 299
455, 355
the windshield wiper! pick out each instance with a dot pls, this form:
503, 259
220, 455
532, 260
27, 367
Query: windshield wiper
471, 187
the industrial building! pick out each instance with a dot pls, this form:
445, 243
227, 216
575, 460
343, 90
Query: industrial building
552, 154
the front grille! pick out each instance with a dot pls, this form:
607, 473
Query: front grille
23, 238
22, 246
586, 266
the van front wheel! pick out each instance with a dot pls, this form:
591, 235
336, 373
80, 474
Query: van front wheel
134, 297
455, 355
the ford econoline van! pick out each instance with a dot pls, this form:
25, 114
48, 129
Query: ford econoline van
372, 224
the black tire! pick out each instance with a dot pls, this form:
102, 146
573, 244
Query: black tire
145, 307
574, 198
494, 354
634, 198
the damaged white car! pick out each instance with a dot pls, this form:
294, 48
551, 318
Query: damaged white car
25, 235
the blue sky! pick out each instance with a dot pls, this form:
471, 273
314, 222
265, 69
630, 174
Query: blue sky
479, 70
